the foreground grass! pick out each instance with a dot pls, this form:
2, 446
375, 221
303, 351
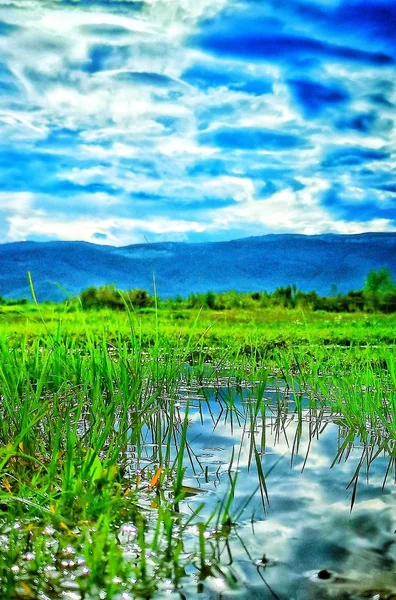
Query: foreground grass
92, 434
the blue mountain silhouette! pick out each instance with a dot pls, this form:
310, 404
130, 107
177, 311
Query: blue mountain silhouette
248, 264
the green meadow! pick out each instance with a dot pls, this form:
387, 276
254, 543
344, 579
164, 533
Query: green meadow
106, 490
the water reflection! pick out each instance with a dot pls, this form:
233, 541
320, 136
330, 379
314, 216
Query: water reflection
298, 538
311, 516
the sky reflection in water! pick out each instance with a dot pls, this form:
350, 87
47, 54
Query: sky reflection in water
308, 527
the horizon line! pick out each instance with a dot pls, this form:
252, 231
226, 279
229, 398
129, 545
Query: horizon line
158, 242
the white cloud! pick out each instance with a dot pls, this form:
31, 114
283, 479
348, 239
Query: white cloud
16, 202
240, 189
175, 145
86, 176
12, 118
292, 211
66, 21
137, 136
99, 199
119, 231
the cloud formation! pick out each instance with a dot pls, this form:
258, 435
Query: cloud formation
123, 120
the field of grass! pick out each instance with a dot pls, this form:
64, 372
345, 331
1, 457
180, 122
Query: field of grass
258, 327
94, 436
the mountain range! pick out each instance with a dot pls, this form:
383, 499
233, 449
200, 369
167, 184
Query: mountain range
317, 263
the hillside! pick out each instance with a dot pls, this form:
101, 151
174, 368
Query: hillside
249, 264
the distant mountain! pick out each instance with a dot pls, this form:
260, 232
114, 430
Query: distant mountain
249, 264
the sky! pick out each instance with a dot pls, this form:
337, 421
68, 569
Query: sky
125, 121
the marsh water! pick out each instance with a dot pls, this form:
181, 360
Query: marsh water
299, 507
319, 525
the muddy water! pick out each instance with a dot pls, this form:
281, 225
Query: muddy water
303, 542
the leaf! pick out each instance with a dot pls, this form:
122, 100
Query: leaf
188, 491
26, 588
63, 526
7, 485
95, 466
110, 473
154, 481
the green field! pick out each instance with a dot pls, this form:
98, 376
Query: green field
97, 498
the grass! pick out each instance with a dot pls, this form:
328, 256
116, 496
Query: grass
246, 327
94, 435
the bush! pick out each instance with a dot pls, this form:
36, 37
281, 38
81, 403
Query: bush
108, 296
139, 298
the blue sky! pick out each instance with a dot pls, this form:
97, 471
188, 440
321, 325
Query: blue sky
124, 120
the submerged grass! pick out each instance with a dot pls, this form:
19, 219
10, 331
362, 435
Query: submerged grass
94, 435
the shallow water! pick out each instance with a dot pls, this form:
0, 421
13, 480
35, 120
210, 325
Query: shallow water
320, 527
304, 542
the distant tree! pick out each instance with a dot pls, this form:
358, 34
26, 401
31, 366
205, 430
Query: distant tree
378, 281
105, 296
89, 297
388, 301
286, 296
139, 298
355, 300
210, 300
16, 301
376, 285
308, 300
109, 296
193, 301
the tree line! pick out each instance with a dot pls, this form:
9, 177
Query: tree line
377, 295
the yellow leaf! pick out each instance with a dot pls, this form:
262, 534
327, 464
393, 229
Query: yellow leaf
26, 588
154, 481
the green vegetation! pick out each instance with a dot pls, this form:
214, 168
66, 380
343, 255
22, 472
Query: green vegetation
380, 291
95, 421
108, 296
378, 294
